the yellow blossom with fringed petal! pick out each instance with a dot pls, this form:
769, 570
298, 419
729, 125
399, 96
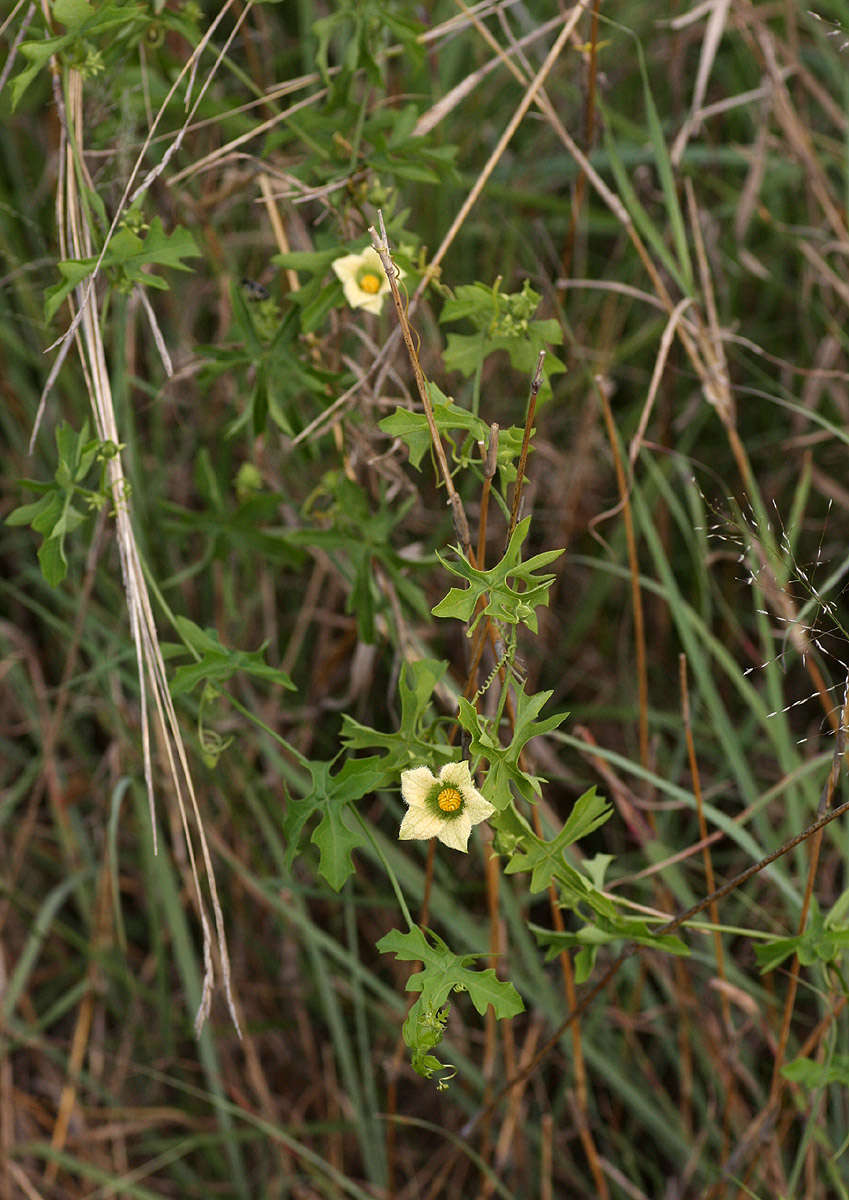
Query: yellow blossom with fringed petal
444, 806
363, 279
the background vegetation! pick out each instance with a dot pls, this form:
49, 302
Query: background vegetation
219, 489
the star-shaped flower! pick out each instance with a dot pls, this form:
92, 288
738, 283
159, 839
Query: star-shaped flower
444, 807
363, 279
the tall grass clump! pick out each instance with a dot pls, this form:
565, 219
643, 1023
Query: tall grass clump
423, 640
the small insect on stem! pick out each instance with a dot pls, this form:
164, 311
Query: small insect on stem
254, 290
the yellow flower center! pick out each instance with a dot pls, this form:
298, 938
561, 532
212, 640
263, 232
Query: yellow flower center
370, 283
449, 799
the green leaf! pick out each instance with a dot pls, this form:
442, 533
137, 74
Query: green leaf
811, 1074
589, 812
128, 254
316, 302
312, 261
52, 560
503, 322
602, 932
296, 813
464, 353
72, 13
336, 841
41, 514
331, 795
496, 588
251, 528
443, 973
39, 55
822, 941
82, 20
217, 663
504, 761
56, 514
413, 743
773, 953
546, 861
243, 321
415, 688
406, 168
413, 429
335, 838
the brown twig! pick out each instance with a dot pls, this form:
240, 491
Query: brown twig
461, 524
719, 952
634, 568
579, 1066
536, 383
703, 835
489, 466
568, 255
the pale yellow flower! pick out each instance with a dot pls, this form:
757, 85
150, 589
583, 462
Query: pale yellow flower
444, 806
363, 279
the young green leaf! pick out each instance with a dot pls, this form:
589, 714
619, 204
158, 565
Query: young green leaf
811, 1074
603, 931
218, 663
413, 742
128, 254
443, 973
496, 588
546, 860
331, 795
57, 512
504, 761
502, 322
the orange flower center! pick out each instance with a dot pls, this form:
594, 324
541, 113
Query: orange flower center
449, 799
370, 283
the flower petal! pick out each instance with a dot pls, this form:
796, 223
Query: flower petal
476, 808
455, 834
458, 775
423, 818
419, 823
371, 259
348, 269
416, 785
346, 266
372, 304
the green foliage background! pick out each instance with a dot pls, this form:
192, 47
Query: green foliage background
569, 1009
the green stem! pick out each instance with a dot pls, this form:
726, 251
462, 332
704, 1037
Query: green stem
390, 874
